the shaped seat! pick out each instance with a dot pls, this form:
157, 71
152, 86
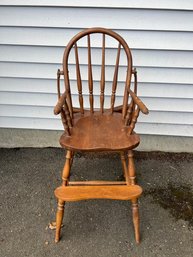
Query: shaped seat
100, 132
97, 122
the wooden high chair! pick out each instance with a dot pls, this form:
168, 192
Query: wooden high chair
87, 128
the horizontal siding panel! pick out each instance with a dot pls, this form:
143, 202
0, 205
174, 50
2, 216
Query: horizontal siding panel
60, 37
32, 99
161, 117
47, 112
28, 85
165, 90
53, 55
64, 17
165, 129
55, 124
30, 123
49, 86
154, 104
25, 111
141, 4
48, 71
169, 104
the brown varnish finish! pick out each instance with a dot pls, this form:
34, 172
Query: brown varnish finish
103, 129
116, 192
100, 132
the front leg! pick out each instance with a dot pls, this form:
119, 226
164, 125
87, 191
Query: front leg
59, 218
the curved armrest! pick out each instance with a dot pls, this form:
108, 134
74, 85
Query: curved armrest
60, 103
138, 102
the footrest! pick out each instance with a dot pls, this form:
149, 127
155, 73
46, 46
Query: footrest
77, 193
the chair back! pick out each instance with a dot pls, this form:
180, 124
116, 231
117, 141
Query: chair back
82, 73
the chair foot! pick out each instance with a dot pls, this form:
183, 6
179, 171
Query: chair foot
56, 240
135, 211
59, 217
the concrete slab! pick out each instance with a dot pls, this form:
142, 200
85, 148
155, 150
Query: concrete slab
97, 227
12, 138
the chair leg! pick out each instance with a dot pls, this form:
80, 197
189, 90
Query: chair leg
135, 211
72, 158
67, 166
60, 209
124, 165
135, 208
59, 218
131, 167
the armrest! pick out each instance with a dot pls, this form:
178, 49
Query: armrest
138, 102
60, 103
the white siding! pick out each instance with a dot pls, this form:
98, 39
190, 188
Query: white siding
140, 4
33, 35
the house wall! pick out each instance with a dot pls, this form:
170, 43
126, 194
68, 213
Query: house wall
33, 35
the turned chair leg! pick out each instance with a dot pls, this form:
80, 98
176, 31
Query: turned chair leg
60, 209
131, 167
124, 165
67, 166
135, 211
59, 218
135, 208
71, 159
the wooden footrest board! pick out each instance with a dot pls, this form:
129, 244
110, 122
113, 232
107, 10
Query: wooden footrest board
118, 192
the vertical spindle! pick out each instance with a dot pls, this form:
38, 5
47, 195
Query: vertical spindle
67, 113
65, 123
58, 83
79, 81
102, 82
129, 113
114, 87
134, 120
135, 80
90, 78
126, 95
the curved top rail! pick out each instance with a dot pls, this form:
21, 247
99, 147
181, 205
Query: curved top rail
92, 31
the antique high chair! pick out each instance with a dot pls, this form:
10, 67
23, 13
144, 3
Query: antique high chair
107, 128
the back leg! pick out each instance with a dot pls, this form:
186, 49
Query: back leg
124, 165
67, 167
131, 167
71, 159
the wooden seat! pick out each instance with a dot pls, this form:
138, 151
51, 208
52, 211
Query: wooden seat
98, 123
100, 132
77, 193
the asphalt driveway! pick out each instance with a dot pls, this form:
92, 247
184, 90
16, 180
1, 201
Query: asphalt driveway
98, 227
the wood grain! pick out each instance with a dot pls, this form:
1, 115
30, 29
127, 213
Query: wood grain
77, 193
100, 132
